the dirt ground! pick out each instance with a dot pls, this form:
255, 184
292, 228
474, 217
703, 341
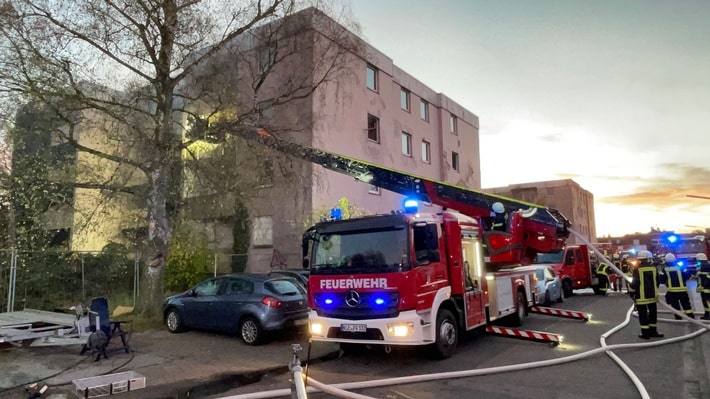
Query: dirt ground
193, 364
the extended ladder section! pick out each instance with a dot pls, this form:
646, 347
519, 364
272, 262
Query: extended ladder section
531, 228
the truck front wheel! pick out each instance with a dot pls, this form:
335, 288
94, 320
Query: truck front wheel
567, 288
447, 335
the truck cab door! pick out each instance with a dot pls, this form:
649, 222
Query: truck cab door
430, 266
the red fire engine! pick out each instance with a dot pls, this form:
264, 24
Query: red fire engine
410, 278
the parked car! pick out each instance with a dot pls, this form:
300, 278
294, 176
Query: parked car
251, 305
549, 286
299, 274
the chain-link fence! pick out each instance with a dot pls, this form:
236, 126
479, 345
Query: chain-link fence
48, 280
57, 280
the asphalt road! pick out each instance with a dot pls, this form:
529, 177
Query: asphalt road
203, 365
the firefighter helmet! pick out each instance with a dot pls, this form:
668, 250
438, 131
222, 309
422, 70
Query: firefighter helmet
644, 255
498, 207
669, 258
615, 256
701, 256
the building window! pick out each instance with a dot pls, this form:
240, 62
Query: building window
404, 99
373, 190
371, 78
426, 151
373, 128
454, 124
455, 161
424, 110
262, 231
406, 144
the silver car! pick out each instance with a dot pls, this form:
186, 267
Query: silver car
549, 286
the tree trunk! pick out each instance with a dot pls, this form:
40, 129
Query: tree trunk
156, 253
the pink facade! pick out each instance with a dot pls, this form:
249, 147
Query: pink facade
341, 126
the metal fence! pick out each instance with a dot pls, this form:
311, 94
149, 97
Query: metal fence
49, 280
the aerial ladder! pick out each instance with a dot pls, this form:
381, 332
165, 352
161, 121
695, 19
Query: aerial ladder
531, 228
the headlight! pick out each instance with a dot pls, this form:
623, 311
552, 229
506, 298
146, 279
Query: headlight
317, 328
400, 329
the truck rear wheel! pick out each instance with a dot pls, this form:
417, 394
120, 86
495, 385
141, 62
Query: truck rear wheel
447, 335
567, 288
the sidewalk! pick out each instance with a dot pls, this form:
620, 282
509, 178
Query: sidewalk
202, 363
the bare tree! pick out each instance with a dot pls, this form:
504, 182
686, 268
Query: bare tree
138, 83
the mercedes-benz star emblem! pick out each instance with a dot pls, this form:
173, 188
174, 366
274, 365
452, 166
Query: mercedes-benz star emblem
352, 298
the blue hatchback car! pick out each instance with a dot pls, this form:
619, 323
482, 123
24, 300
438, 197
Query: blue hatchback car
250, 305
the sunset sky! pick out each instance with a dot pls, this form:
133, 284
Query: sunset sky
612, 94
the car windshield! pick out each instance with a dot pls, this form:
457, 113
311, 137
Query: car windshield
284, 286
549, 258
365, 251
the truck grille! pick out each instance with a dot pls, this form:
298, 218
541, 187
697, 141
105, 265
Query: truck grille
351, 305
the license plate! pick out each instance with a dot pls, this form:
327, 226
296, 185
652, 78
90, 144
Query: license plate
353, 327
300, 322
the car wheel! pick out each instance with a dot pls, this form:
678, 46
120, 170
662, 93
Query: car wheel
251, 332
567, 288
447, 335
174, 322
548, 301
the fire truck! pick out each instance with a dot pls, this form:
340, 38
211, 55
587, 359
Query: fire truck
412, 278
576, 265
685, 247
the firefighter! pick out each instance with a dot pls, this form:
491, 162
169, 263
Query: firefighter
626, 269
643, 289
704, 283
500, 218
618, 280
603, 276
677, 293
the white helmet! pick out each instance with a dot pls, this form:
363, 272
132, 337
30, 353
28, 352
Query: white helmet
701, 256
644, 255
615, 256
498, 207
670, 258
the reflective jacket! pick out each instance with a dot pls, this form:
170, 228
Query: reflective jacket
672, 278
603, 269
644, 284
704, 276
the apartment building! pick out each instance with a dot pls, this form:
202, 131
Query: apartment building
576, 203
369, 109
372, 110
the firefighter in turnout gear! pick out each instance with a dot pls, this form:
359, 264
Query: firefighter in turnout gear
619, 281
499, 217
644, 291
677, 293
704, 283
603, 276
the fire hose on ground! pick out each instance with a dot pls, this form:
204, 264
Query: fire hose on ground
343, 389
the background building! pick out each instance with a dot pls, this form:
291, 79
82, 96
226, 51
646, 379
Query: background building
576, 203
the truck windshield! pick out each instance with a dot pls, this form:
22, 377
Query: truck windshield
364, 251
549, 258
689, 247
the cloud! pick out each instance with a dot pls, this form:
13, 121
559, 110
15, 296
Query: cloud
672, 188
